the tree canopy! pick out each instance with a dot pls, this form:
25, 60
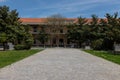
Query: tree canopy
102, 32
10, 26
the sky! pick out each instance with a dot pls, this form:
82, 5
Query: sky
67, 8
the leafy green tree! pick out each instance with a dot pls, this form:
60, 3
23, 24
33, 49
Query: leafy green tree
11, 28
28, 38
3, 38
113, 23
112, 33
24, 37
77, 32
107, 30
96, 34
9, 24
95, 27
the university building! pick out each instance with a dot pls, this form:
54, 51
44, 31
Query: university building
56, 39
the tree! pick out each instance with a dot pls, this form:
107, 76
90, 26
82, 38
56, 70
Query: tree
56, 23
95, 27
27, 37
105, 31
24, 39
3, 38
112, 33
77, 32
96, 32
9, 22
43, 36
10, 26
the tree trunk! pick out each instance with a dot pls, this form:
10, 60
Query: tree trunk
79, 44
4, 46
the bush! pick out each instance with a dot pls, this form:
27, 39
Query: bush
19, 47
108, 44
97, 44
27, 47
28, 43
22, 47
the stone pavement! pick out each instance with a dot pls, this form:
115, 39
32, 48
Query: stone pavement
61, 64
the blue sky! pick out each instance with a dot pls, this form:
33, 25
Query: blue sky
67, 8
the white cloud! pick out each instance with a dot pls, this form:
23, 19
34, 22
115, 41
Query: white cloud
70, 6
75, 7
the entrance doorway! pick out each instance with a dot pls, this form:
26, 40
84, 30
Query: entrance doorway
61, 43
54, 42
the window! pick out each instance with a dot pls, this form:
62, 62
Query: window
34, 29
68, 41
61, 31
54, 40
68, 31
42, 42
53, 31
34, 41
61, 41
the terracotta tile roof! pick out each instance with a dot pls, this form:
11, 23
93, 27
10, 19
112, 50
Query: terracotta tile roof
41, 20
32, 20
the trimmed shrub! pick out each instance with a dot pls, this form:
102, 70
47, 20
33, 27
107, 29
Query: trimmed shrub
97, 44
22, 47
27, 47
28, 43
19, 47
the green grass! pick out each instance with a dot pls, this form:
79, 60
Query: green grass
106, 55
9, 57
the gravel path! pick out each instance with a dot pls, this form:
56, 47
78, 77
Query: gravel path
61, 64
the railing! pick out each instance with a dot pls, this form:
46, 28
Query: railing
34, 32
47, 33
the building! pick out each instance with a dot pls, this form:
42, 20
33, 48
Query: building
56, 38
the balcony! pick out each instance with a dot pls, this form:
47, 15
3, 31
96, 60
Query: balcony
56, 33
34, 32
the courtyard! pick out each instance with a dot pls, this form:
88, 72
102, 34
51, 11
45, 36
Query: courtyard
61, 64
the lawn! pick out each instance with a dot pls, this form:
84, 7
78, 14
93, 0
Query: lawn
9, 57
106, 55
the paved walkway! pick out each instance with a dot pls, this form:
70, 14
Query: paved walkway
61, 64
